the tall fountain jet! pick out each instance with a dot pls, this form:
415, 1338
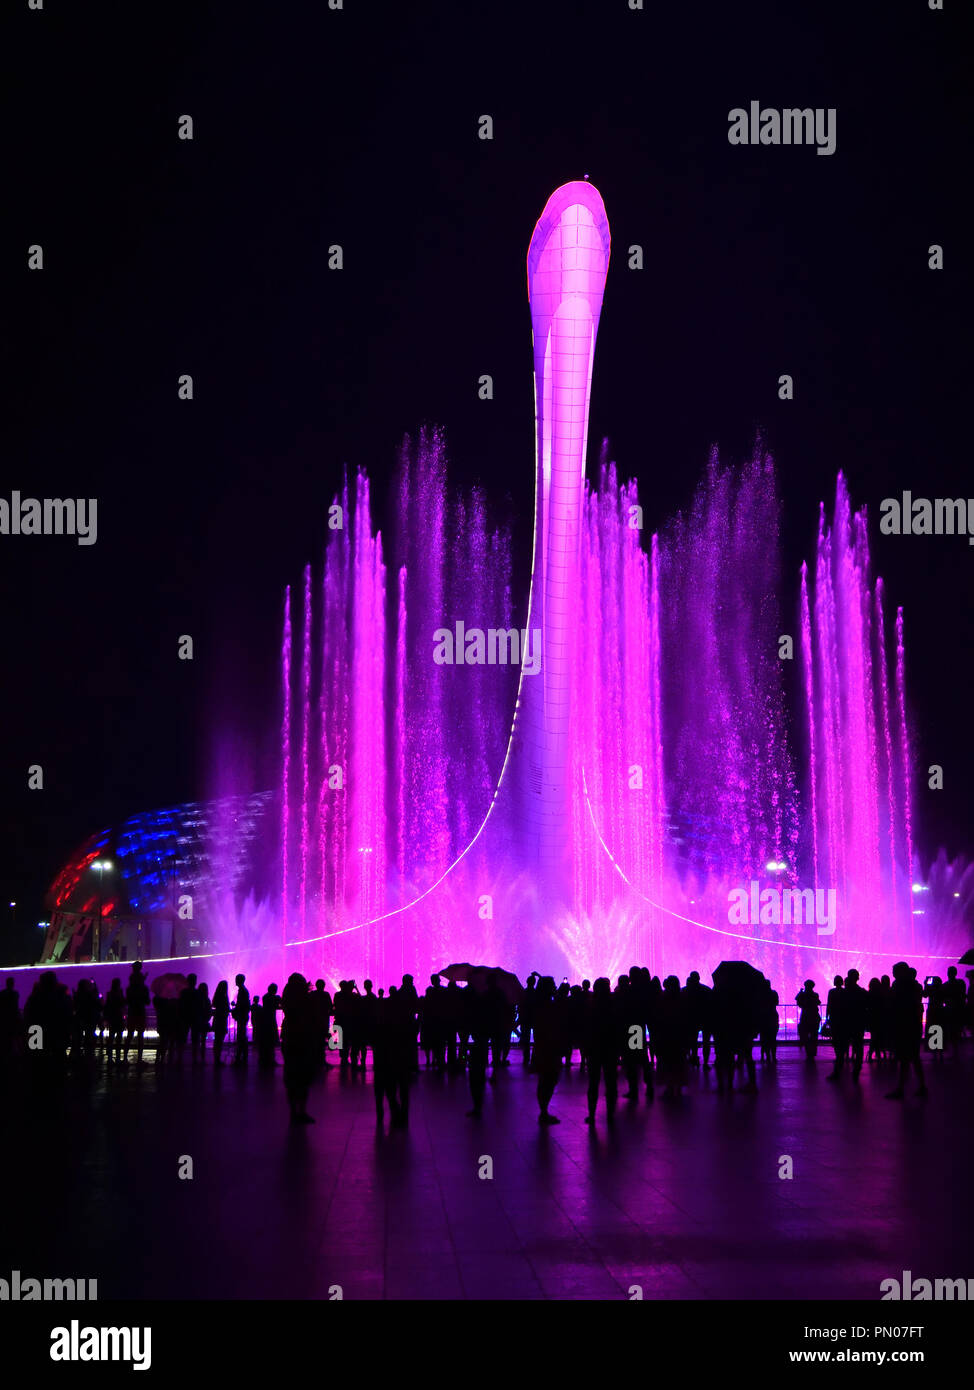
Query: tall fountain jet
568, 259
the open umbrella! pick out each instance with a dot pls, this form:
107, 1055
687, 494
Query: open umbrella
481, 975
738, 976
458, 973
168, 986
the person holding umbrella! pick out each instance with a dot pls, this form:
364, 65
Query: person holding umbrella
736, 1006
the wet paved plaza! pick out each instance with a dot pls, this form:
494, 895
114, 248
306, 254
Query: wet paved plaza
683, 1198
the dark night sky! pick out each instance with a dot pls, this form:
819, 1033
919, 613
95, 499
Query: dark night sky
360, 127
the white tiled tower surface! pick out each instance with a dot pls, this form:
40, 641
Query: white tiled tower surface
568, 260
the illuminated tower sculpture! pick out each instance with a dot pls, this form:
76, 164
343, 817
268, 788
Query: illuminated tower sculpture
567, 263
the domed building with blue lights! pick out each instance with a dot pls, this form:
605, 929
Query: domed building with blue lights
156, 884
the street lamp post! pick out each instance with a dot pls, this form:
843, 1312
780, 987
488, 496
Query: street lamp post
102, 865
174, 886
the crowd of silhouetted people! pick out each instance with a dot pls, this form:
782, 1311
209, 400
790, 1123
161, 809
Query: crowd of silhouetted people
648, 1033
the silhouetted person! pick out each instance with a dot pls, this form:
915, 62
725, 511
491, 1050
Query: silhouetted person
113, 1013
87, 1014
75, 1037
855, 1012
671, 1038
298, 1046
432, 1033
654, 993
736, 1020
837, 1026
366, 1020
452, 1006
508, 1016
577, 1008
11, 1024
167, 1027
934, 1028
629, 1029
256, 1022
906, 1027
875, 1020
601, 1047
525, 1013
221, 1020
645, 1004
549, 1045
563, 1003
808, 1019
136, 1006
48, 1009
697, 1004
187, 998
322, 1008
770, 1025
476, 1026
199, 1021
886, 1004
955, 1008
410, 1003
269, 1036
241, 1016
393, 1043
346, 1007
497, 1008
356, 1061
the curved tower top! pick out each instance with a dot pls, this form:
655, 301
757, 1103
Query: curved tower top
574, 230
